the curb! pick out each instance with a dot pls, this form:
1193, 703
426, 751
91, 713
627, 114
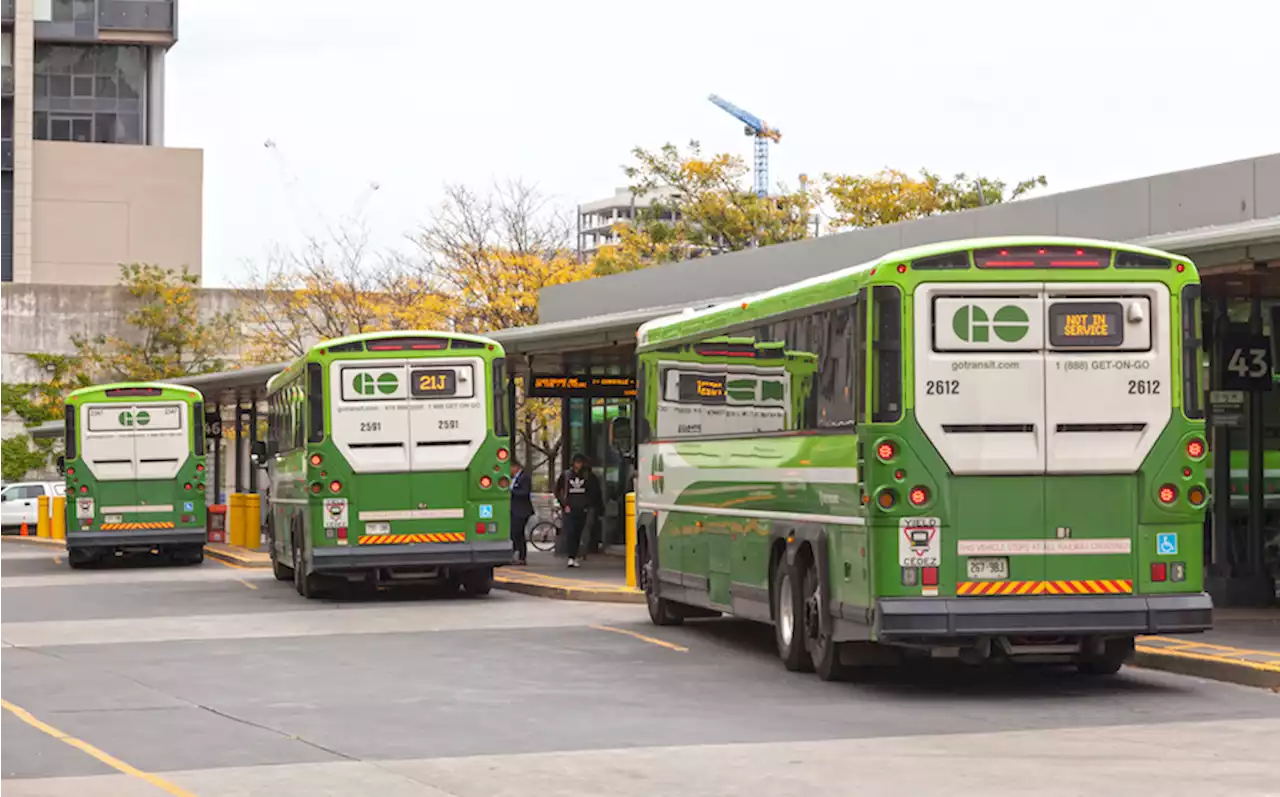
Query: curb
563, 593
231, 557
47, 542
1242, 673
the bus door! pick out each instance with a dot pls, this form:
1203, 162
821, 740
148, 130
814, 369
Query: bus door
369, 423
979, 396
448, 424
1108, 397
107, 450
160, 446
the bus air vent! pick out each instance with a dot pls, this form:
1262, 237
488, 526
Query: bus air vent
1101, 427
988, 428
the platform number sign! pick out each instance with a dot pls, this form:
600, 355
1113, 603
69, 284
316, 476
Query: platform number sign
1246, 363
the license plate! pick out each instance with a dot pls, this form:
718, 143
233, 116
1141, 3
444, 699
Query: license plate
113, 519
377, 528
988, 568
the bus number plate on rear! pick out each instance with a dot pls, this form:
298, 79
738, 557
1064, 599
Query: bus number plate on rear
988, 568
113, 519
377, 528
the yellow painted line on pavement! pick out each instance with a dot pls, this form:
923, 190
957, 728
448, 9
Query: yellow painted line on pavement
247, 584
1253, 665
57, 560
1186, 643
85, 747
229, 564
643, 638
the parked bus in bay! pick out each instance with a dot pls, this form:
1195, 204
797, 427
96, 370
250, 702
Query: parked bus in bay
388, 459
995, 451
134, 465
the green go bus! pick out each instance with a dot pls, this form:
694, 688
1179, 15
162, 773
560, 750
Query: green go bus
994, 451
388, 459
135, 471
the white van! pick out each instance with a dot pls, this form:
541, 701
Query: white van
19, 503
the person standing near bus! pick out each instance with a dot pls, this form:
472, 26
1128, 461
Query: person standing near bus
578, 491
521, 511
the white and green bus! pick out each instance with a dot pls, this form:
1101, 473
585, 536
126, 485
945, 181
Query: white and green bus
986, 448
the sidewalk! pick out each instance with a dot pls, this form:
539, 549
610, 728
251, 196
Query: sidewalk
1243, 648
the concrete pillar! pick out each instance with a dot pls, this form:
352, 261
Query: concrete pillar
155, 96
23, 79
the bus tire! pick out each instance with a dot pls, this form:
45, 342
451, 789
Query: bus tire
477, 582
280, 571
306, 584
191, 555
78, 558
1114, 654
823, 651
661, 610
788, 618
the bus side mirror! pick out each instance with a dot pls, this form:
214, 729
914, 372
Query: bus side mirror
62, 464
259, 453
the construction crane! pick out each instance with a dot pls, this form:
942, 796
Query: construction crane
763, 133
298, 194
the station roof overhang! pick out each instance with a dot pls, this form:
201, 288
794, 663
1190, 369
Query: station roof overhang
564, 346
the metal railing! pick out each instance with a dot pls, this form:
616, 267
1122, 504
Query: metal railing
148, 15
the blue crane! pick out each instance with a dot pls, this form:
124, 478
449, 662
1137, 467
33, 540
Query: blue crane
755, 126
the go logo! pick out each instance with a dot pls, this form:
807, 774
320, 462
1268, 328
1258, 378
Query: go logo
127, 418
365, 384
972, 324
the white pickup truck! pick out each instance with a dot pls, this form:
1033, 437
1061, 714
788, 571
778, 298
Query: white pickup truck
19, 503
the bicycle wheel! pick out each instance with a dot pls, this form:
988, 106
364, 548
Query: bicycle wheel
543, 536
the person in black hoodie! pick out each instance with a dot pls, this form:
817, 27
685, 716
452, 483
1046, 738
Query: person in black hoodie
521, 511
578, 491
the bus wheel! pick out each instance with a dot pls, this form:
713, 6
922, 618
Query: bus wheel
191, 555
788, 619
661, 610
282, 572
822, 650
1114, 653
78, 558
307, 584
477, 582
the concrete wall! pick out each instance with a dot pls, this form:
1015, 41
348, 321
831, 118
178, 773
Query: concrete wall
95, 206
1127, 211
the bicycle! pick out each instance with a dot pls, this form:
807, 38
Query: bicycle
542, 537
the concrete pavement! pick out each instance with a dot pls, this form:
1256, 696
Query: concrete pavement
225, 682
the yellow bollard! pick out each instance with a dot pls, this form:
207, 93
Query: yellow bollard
631, 539
252, 521
59, 521
235, 519
42, 517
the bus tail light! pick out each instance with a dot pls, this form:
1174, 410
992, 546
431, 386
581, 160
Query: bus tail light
342, 532
486, 482
316, 488
886, 499
480, 527
187, 486
918, 496
503, 454
71, 471
335, 486
929, 577
316, 459
1159, 571
200, 468
84, 488
1195, 448
503, 481
1196, 495
885, 451
1168, 494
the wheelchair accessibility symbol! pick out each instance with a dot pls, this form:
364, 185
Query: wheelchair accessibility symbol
188, 506
486, 510
1167, 544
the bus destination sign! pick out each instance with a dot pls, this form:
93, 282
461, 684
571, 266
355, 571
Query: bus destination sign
1086, 324
433, 382
582, 386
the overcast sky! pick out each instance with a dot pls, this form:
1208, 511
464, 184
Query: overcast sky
412, 94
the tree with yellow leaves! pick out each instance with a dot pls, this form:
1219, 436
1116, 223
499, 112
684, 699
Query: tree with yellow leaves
168, 337
890, 196
704, 207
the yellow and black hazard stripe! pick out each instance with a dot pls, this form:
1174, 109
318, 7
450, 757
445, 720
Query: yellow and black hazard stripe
1105, 586
398, 539
153, 524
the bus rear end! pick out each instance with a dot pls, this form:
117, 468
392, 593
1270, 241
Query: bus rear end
135, 473
414, 471
1058, 436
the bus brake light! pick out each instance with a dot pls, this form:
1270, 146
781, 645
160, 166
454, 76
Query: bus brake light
885, 451
335, 486
316, 459
1195, 448
84, 488
486, 482
503, 454
71, 471
187, 486
918, 496
1168, 494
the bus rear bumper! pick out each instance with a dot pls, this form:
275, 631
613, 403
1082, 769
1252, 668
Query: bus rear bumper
424, 554
902, 619
136, 538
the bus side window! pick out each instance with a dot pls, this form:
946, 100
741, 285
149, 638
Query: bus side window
197, 428
500, 407
315, 403
886, 353
70, 443
860, 356
1192, 359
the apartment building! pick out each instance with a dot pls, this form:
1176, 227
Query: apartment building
597, 218
88, 182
